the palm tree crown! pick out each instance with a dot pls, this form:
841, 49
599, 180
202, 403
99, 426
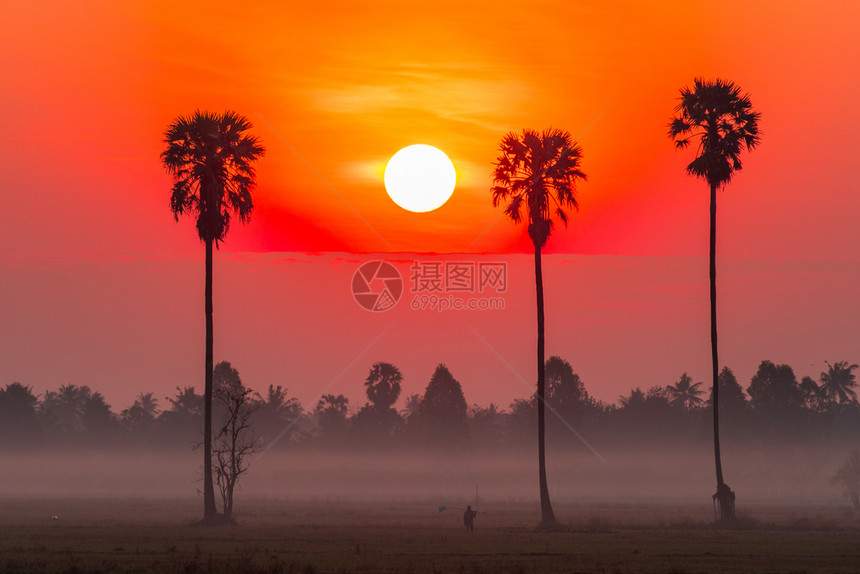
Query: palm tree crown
538, 170
383, 385
211, 160
723, 122
685, 393
838, 382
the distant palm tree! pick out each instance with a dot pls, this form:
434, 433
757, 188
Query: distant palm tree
537, 173
685, 393
722, 123
383, 385
412, 406
142, 412
186, 402
275, 413
277, 403
211, 159
838, 382
148, 403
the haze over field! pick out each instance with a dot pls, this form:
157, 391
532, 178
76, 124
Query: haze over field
785, 476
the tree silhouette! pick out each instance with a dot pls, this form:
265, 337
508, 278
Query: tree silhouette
383, 385
211, 159
234, 440
18, 423
774, 390
411, 406
685, 393
537, 172
63, 409
636, 400
97, 418
565, 391
811, 394
487, 425
731, 393
443, 413
77, 412
331, 414
838, 382
181, 422
141, 414
187, 402
647, 414
377, 420
276, 412
521, 417
734, 406
721, 121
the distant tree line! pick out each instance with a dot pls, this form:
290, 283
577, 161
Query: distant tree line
774, 407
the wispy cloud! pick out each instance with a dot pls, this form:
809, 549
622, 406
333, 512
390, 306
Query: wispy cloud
476, 95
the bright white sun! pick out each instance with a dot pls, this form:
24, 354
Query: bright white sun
420, 178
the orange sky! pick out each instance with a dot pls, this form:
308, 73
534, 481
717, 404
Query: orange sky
335, 89
343, 87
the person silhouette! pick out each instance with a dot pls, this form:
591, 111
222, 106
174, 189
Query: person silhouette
469, 519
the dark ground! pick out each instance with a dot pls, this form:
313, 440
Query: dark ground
148, 535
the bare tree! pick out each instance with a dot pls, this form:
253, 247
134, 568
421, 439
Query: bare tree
235, 440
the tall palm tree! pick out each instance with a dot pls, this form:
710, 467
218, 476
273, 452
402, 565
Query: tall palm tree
536, 175
685, 393
211, 159
721, 121
838, 382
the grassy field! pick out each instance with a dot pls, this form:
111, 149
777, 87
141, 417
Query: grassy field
106, 535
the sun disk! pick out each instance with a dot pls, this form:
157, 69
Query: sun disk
420, 178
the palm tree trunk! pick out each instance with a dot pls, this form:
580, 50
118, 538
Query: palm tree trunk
724, 496
547, 515
209, 509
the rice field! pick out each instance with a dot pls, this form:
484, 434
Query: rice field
89, 535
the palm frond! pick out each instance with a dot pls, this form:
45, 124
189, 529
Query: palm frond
211, 158
721, 118
534, 170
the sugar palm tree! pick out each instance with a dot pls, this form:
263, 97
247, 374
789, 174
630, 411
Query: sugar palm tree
722, 123
685, 393
838, 382
211, 158
383, 385
536, 175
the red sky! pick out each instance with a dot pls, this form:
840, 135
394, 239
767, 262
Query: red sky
102, 287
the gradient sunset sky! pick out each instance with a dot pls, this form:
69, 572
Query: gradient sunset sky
101, 287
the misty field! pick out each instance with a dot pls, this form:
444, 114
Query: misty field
151, 535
